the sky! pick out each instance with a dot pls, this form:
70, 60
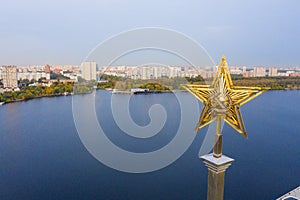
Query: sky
252, 33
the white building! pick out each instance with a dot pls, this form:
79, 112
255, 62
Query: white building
147, 73
173, 72
33, 75
32, 72
89, 70
235, 70
9, 77
157, 72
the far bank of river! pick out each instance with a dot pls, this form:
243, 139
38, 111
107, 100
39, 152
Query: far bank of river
113, 92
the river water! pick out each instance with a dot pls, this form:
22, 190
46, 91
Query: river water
42, 157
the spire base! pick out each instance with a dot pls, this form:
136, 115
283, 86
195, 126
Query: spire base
216, 175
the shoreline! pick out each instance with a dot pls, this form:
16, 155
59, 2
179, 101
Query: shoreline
37, 97
122, 92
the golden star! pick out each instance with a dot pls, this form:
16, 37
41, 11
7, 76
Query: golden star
222, 99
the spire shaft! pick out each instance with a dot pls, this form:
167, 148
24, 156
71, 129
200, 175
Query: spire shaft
217, 152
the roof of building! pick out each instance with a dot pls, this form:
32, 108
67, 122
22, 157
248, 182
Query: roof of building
294, 194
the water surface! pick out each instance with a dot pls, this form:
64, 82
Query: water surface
42, 157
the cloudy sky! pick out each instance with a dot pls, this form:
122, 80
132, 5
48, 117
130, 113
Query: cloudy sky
64, 32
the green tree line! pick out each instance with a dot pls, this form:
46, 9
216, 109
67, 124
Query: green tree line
57, 89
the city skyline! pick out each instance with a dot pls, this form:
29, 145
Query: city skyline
92, 71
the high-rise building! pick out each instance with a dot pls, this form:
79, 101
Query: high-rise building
147, 73
259, 72
47, 68
89, 70
244, 69
173, 71
273, 71
157, 72
9, 77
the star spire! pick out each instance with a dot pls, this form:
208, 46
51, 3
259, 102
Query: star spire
223, 100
